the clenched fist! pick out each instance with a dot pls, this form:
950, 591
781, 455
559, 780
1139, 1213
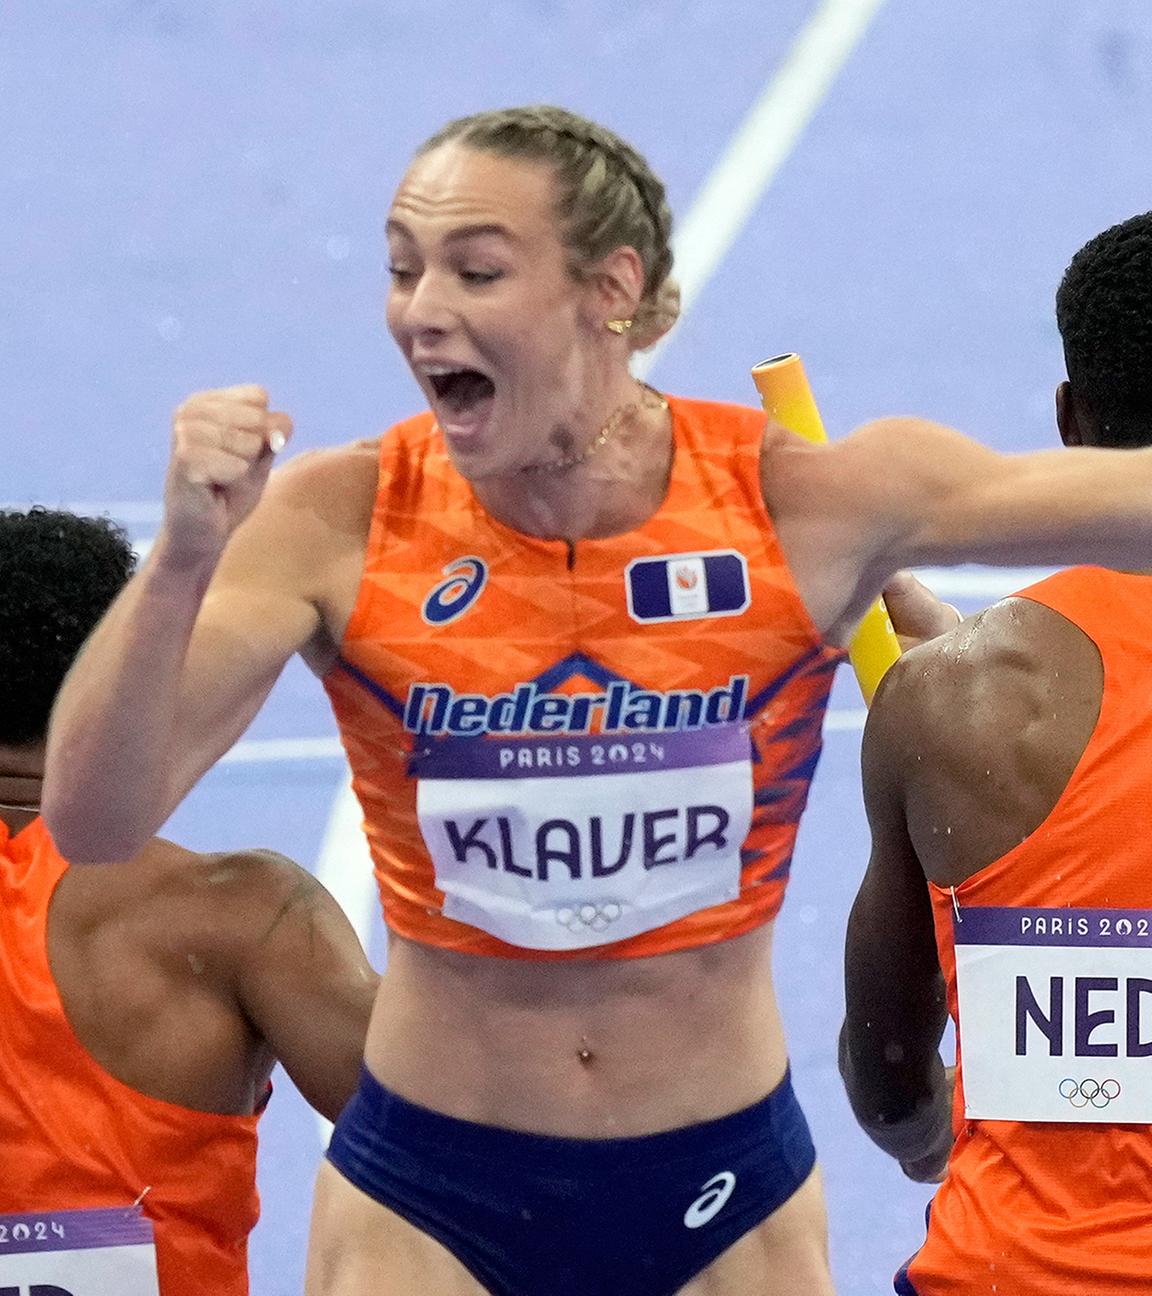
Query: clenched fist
223, 445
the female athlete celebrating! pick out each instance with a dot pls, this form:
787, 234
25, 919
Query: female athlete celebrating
578, 638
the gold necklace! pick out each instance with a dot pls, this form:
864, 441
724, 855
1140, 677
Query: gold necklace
650, 399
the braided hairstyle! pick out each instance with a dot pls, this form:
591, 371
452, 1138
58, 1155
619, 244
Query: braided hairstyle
1104, 313
608, 195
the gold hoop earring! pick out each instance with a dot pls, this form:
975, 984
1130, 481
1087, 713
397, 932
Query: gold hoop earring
619, 326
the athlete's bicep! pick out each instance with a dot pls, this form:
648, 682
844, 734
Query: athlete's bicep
923, 493
306, 985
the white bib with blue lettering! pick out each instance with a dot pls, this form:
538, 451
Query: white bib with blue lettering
568, 843
1055, 1014
78, 1253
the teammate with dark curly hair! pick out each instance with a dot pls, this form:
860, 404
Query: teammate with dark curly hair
1008, 775
1104, 313
143, 1003
58, 574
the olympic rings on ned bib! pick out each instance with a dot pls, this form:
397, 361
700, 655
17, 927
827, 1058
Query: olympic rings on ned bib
1097, 1092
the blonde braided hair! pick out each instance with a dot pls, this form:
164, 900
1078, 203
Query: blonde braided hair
607, 195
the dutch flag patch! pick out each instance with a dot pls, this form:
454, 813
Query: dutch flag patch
685, 587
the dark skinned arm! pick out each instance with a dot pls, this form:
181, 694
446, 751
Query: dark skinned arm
304, 982
894, 991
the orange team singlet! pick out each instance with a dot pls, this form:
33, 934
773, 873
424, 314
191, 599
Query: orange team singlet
80, 1147
600, 750
1047, 956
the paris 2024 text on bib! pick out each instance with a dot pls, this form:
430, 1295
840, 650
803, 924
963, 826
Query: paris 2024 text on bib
1055, 1013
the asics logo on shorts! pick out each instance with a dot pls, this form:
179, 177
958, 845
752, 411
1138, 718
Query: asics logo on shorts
1097, 1092
581, 917
712, 1200
454, 596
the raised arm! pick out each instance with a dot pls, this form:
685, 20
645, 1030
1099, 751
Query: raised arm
185, 656
894, 991
954, 500
905, 492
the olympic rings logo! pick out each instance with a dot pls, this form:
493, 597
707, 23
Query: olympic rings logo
589, 916
1097, 1092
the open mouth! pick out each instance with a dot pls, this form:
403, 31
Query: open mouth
461, 390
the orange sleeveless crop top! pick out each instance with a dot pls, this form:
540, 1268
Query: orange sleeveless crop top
596, 751
75, 1138
1047, 958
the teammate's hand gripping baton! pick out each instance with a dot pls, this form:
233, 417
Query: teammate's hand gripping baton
787, 398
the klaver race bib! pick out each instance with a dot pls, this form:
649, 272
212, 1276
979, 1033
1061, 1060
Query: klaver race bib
573, 842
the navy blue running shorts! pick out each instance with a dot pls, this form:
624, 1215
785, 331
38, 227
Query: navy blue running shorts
533, 1215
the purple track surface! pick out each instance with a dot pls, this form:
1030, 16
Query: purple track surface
194, 194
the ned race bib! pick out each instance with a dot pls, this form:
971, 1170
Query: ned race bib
573, 842
78, 1253
1055, 1009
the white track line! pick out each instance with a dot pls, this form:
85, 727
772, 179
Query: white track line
345, 868
846, 720
980, 583
254, 751
761, 145
345, 862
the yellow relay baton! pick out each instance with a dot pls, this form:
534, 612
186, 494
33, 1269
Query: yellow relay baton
787, 398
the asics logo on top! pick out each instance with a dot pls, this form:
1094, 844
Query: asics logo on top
454, 596
712, 1200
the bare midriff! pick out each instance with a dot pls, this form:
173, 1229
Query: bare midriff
604, 1048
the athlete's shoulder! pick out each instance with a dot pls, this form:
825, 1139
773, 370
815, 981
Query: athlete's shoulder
335, 468
1102, 602
955, 660
1009, 634
410, 448
166, 894
231, 898
328, 470
992, 675
257, 870
316, 503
